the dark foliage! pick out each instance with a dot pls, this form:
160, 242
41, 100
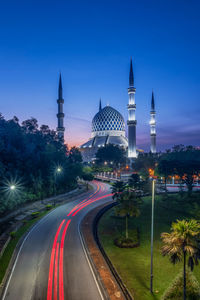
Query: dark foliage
29, 156
112, 155
181, 161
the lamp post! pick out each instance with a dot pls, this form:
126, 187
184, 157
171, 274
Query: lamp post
152, 227
58, 170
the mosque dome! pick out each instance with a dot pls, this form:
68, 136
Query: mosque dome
108, 121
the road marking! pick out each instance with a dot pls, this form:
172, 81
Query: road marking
26, 237
89, 263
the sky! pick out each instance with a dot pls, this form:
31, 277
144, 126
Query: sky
90, 43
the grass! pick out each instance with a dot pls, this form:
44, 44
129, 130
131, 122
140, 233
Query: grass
6, 257
133, 265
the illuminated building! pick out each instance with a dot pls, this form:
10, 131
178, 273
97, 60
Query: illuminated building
131, 116
108, 127
153, 125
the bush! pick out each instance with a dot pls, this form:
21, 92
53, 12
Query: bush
131, 242
49, 206
13, 234
175, 290
24, 221
35, 214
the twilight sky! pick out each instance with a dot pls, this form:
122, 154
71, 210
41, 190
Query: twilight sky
91, 43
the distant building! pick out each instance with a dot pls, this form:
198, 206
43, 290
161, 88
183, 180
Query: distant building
108, 127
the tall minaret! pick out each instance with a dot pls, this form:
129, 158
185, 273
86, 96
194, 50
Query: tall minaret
60, 114
153, 125
131, 116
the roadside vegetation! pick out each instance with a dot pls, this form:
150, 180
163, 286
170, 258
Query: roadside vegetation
15, 237
34, 163
176, 227
133, 264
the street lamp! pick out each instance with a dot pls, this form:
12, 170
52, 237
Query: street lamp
12, 187
57, 171
152, 227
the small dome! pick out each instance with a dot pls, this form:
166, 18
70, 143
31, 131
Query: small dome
108, 121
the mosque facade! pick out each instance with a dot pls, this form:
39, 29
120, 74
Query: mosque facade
108, 126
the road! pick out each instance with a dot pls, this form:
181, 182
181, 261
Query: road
51, 263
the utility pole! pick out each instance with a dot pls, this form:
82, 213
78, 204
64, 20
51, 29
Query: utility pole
152, 227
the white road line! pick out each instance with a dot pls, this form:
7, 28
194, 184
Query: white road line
13, 268
89, 263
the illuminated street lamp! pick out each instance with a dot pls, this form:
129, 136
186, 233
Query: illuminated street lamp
12, 187
57, 171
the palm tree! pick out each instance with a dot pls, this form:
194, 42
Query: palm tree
128, 207
183, 242
118, 188
134, 181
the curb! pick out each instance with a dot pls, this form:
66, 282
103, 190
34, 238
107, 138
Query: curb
123, 287
99, 280
106, 275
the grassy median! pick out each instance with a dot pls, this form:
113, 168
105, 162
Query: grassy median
133, 265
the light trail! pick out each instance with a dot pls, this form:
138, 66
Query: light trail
56, 260
89, 202
91, 196
56, 273
61, 287
50, 279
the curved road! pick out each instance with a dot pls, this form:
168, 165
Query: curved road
51, 263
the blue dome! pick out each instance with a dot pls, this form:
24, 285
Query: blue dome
108, 119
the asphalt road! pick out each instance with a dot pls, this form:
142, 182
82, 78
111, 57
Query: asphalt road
52, 263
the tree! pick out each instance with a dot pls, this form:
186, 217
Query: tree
31, 155
181, 161
113, 155
128, 206
118, 188
144, 162
182, 243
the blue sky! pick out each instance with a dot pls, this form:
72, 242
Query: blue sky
91, 43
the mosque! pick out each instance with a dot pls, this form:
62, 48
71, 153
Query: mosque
108, 126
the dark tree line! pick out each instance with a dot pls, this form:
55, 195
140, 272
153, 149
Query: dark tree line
29, 158
182, 161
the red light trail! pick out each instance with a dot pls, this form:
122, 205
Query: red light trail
56, 260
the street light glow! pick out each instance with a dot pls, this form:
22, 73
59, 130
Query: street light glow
59, 169
12, 187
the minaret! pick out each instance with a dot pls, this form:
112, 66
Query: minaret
100, 107
153, 125
60, 114
131, 116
